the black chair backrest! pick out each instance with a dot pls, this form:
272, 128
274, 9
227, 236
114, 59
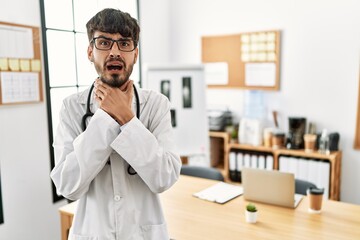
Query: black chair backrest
301, 186
203, 172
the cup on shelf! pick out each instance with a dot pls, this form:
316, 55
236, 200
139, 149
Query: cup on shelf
315, 196
268, 134
310, 142
278, 140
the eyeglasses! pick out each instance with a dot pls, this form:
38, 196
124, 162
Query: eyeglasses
124, 44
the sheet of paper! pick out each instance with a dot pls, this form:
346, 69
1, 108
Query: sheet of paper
14, 64
220, 192
216, 73
25, 65
35, 65
19, 87
4, 64
16, 42
260, 74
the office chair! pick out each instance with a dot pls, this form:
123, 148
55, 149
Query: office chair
203, 172
301, 186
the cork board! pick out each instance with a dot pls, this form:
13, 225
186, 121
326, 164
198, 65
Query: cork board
20, 64
253, 59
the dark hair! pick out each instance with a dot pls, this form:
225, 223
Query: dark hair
111, 20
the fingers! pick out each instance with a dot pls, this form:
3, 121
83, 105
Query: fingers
101, 89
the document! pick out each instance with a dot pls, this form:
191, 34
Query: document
4, 64
260, 74
19, 87
16, 42
220, 192
216, 73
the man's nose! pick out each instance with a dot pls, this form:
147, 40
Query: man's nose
115, 51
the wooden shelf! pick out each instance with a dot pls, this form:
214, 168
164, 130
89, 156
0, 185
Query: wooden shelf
334, 159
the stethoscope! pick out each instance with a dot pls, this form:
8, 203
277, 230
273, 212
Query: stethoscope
88, 113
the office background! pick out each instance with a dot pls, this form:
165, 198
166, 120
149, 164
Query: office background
320, 54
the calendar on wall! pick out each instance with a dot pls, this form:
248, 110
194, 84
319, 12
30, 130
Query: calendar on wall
20, 64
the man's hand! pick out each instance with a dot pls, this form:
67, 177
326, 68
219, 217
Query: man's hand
115, 101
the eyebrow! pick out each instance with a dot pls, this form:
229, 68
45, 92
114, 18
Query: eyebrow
120, 39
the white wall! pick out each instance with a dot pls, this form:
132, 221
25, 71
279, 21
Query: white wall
155, 23
24, 155
319, 62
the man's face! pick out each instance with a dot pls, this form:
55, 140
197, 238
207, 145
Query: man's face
113, 66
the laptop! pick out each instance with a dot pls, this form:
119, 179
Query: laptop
271, 187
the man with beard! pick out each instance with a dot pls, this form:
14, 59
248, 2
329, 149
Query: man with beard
115, 163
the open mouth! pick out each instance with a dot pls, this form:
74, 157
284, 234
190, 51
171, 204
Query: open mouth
114, 67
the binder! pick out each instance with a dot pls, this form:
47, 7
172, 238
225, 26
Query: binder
232, 166
283, 164
247, 160
313, 172
293, 166
254, 161
324, 177
303, 165
269, 162
261, 162
239, 165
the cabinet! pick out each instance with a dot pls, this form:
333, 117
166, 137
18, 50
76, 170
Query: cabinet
334, 158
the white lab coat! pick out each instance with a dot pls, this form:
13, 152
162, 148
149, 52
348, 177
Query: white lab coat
113, 204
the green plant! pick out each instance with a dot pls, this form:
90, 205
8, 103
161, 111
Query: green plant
251, 207
234, 134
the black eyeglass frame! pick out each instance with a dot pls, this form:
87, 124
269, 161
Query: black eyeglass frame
112, 43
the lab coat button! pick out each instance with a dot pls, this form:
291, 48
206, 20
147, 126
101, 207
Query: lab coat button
117, 198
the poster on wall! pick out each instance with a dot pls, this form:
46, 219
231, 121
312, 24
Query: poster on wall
180, 84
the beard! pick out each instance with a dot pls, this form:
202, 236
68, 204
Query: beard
115, 80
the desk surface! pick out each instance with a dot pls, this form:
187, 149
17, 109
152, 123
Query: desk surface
190, 218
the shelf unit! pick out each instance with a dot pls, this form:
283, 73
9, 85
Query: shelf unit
334, 158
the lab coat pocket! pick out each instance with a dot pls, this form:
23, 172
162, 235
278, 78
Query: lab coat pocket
158, 232
81, 237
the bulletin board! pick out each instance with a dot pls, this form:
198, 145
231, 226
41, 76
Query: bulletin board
20, 64
252, 59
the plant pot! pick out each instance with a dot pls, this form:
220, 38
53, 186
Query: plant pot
251, 217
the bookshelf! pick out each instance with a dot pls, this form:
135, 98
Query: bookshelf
220, 140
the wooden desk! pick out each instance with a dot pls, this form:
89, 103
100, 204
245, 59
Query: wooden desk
66, 218
190, 218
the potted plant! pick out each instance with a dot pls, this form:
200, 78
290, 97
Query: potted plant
251, 213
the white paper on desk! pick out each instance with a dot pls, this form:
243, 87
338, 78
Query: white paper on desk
216, 73
260, 74
220, 192
19, 87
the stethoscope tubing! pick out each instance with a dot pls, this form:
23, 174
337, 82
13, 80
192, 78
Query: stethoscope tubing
88, 113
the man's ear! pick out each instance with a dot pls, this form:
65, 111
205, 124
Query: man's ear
136, 55
90, 53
